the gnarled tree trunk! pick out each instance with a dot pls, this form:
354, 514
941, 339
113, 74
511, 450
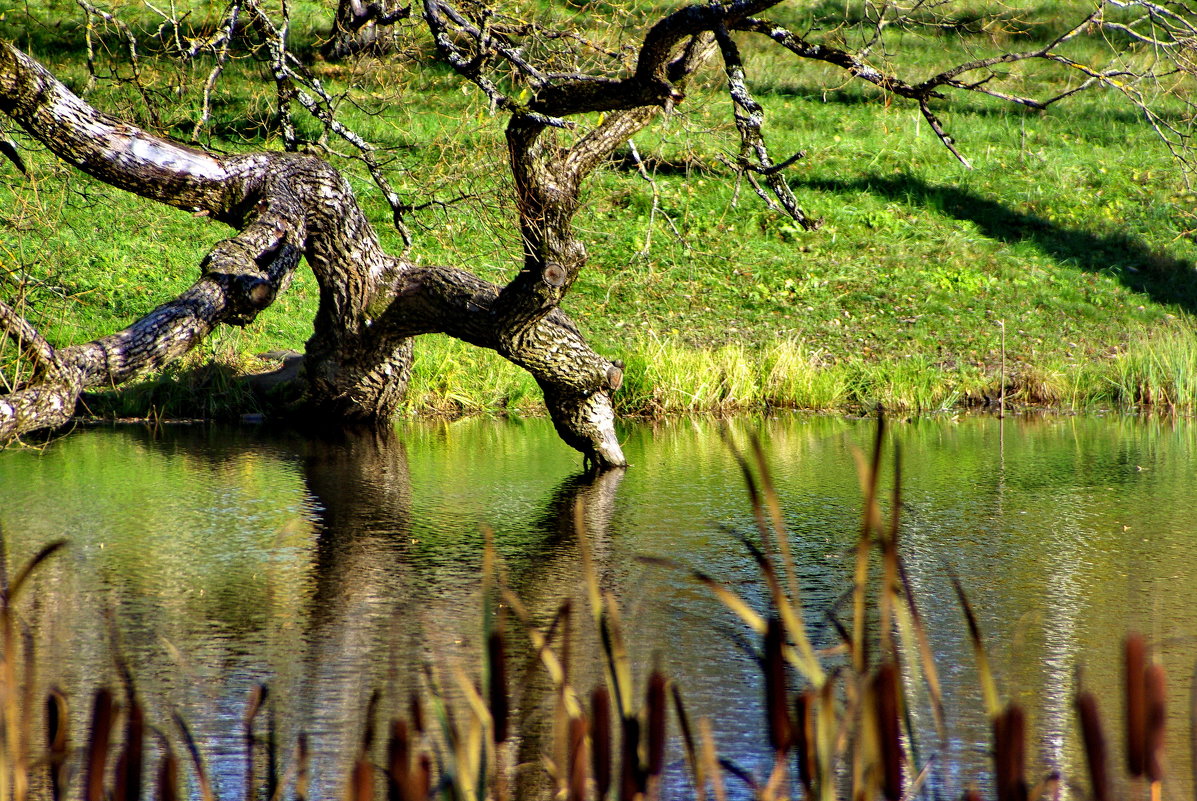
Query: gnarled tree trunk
284, 206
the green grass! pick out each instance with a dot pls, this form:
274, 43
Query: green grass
1075, 229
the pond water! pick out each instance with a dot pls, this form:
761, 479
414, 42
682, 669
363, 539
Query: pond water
219, 558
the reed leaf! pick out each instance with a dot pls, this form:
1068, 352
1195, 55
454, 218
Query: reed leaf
826, 728
197, 760
690, 747
18, 583
804, 657
869, 474
910, 624
733, 602
619, 664
710, 760
989, 691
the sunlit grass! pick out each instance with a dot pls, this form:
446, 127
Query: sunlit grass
1074, 229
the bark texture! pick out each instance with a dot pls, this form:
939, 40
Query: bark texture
284, 206
363, 27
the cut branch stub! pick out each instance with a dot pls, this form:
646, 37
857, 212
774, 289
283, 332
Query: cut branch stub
554, 275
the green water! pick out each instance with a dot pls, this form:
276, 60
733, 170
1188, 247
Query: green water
333, 568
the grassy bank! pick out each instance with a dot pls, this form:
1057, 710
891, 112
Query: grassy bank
1074, 230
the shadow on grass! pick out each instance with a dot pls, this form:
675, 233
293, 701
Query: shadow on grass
1136, 264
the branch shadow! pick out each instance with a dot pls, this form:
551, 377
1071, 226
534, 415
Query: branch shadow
1136, 264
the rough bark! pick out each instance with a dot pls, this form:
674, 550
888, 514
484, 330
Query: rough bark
363, 27
286, 205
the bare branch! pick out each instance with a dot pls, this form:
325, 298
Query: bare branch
750, 117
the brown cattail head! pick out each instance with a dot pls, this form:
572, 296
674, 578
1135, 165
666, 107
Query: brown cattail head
398, 762
97, 747
57, 739
168, 778
129, 774
1094, 737
655, 701
496, 652
600, 739
361, 786
1009, 754
777, 708
423, 776
631, 776
1135, 683
885, 708
578, 728
804, 739
1157, 714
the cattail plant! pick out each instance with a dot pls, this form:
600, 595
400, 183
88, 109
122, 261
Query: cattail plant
1009, 754
57, 741
1094, 738
600, 739
103, 711
1135, 686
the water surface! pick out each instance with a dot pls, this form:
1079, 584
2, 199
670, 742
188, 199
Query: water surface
333, 567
